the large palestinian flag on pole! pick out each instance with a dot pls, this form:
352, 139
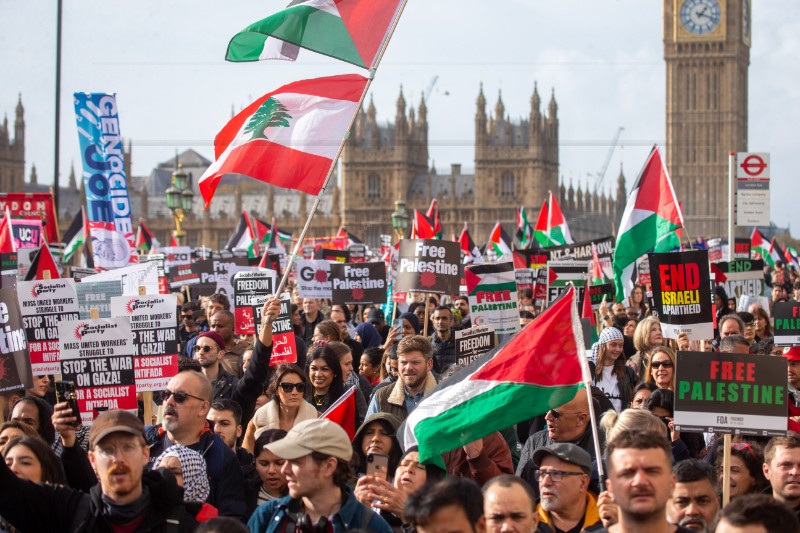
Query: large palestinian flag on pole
288, 137
760, 247
538, 369
349, 30
648, 223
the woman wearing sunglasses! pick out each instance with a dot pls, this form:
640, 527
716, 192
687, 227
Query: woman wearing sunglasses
646, 338
287, 406
661, 368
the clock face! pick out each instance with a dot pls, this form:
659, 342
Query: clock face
700, 16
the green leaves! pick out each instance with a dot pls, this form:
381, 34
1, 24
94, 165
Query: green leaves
271, 114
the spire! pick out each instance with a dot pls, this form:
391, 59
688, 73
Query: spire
422, 110
552, 108
536, 102
20, 109
622, 194
371, 112
34, 178
499, 108
401, 103
72, 183
481, 101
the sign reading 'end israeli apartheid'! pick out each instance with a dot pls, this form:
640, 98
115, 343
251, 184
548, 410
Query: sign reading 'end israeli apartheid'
743, 394
681, 292
429, 265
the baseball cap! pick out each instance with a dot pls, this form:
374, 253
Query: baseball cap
116, 421
214, 336
567, 452
375, 315
792, 354
317, 435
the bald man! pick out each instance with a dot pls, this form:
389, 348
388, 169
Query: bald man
566, 423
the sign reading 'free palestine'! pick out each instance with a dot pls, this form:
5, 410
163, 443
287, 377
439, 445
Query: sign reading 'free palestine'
730, 393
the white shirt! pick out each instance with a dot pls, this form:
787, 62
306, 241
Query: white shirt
610, 386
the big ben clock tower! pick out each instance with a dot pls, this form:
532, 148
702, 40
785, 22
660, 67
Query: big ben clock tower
707, 52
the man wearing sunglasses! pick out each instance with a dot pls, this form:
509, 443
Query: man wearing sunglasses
566, 423
566, 504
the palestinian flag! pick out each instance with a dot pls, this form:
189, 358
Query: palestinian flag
776, 252
588, 312
596, 269
523, 239
500, 243
349, 30
648, 223
264, 232
75, 236
343, 412
470, 253
243, 238
536, 370
144, 238
759, 246
792, 256
422, 226
351, 239
551, 226
433, 215
43, 266
288, 137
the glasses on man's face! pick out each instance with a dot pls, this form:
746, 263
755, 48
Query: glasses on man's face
180, 396
555, 413
204, 349
555, 475
127, 449
287, 387
750, 325
658, 364
188, 317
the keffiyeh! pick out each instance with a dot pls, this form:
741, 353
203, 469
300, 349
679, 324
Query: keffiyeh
195, 477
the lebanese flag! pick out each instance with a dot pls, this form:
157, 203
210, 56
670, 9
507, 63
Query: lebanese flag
288, 137
538, 369
43, 265
648, 223
349, 30
343, 412
759, 246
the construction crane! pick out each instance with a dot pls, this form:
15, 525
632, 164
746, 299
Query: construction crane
431, 84
602, 173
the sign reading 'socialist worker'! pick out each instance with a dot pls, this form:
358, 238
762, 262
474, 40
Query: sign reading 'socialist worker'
358, 283
681, 291
429, 265
730, 393
787, 323
473, 342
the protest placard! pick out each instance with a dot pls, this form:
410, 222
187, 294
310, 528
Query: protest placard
246, 286
740, 277
15, 366
492, 295
599, 292
787, 323
681, 292
284, 349
335, 256
742, 394
540, 287
313, 278
358, 283
96, 295
562, 273
161, 270
741, 248
43, 304
132, 277
358, 253
429, 266
97, 355
473, 342
175, 256
582, 251
154, 323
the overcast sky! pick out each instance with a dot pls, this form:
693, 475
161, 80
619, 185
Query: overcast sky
603, 58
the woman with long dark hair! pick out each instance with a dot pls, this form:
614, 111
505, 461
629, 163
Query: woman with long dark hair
611, 375
38, 414
325, 376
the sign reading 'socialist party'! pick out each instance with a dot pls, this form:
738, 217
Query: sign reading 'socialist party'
743, 394
429, 265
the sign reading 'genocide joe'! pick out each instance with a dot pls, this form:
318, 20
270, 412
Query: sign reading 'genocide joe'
98, 356
313, 278
283, 345
43, 305
429, 265
492, 294
730, 393
473, 342
358, 283
15, 367
246, 286
681, 285
155, 343
787, 323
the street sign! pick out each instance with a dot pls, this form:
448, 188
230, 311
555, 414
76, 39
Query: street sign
752, 176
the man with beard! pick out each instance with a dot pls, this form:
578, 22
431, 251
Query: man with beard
566, 504
414, 364
443, 341
695, 500
640, 480
317, 469
127, 498
782, 469
233, 349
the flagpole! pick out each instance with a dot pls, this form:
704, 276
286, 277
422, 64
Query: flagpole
315, 206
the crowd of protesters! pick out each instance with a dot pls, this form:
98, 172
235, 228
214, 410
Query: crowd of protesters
238, 444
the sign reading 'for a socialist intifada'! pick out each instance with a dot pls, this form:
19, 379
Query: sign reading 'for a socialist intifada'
681, 291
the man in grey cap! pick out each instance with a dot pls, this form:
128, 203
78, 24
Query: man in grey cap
317, 468
126, 498
566, 504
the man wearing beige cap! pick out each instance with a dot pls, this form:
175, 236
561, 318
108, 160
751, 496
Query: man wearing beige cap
126, 499
317, 469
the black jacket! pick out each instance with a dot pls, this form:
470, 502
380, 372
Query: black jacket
245, 391
54, 508
444, 352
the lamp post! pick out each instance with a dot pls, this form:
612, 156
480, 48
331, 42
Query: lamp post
399, 219
179, 200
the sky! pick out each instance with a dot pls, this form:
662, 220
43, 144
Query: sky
602, 58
